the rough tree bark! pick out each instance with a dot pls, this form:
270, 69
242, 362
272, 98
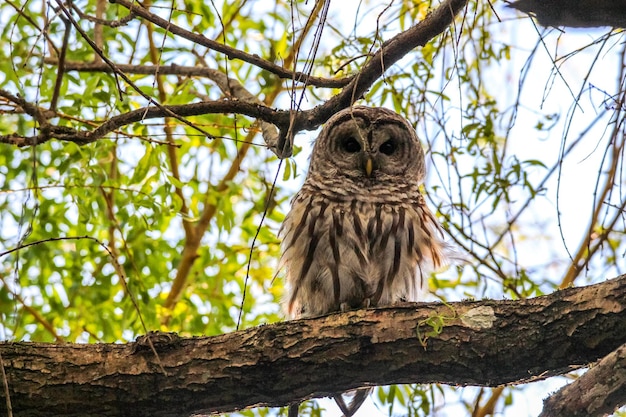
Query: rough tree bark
597, 393
575, 13
486, 343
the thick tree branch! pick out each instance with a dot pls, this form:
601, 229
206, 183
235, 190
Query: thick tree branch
151, 112
486, 343
575, 14
597, 393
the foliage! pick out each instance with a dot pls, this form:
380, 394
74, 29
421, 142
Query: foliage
159, 226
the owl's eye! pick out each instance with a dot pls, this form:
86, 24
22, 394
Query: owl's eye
350, 145
388, 147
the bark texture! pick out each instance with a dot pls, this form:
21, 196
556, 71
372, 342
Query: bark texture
575, 13
597, 393
485, 343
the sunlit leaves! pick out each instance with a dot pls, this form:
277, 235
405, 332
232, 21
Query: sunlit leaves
495, 180
417, 400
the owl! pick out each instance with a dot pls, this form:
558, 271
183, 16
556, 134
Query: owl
359, 233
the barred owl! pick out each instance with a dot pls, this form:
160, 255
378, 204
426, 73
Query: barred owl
359, 233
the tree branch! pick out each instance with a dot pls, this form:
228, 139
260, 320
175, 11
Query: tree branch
597, 393
184, 110
486, 343
390, 52
230, 52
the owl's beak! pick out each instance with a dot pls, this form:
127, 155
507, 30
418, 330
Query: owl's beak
369, 166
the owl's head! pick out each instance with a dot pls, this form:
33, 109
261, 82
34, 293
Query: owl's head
368, 144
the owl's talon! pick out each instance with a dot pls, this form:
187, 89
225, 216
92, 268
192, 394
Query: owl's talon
343, 307
367, 303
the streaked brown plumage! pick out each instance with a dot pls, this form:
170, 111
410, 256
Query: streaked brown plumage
359, 232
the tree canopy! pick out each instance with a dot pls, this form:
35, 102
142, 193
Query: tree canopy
149, 150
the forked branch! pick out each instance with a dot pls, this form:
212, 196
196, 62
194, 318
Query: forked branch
389, 53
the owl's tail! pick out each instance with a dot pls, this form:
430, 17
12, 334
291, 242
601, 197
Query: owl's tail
359, 396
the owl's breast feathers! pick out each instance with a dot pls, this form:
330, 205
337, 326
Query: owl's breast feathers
347, 252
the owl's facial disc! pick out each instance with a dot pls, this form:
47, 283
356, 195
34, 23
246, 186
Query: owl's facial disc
369, 144
365, 149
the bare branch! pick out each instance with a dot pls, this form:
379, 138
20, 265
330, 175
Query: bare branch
32, 110
230, 52
390, 52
